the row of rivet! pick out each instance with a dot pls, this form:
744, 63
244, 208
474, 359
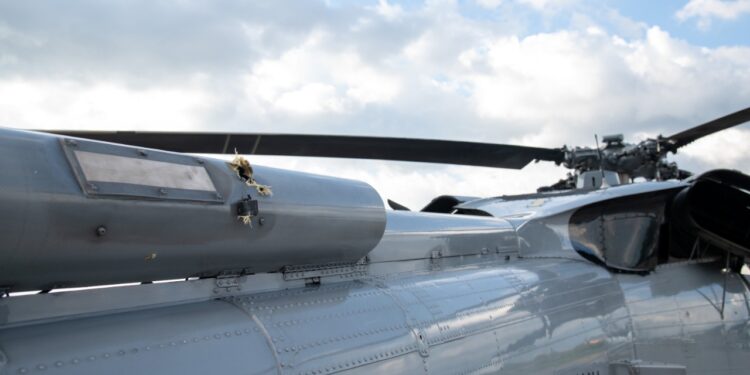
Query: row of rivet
494, 363
297, 273
301, 291
250, 306
302, 268
251, 299
361, 361
133, 351
294, 322
352, 275
309, 345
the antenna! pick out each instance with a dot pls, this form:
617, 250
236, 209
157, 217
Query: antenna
599, 152
658, 173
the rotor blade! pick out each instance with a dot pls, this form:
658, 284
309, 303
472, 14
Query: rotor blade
401, 149
687, 136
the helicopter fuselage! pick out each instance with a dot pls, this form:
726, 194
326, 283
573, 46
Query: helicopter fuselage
639, 278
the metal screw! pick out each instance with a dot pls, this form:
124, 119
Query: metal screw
101, 231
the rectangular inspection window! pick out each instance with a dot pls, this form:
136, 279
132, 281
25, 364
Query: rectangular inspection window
119, 171
98, 167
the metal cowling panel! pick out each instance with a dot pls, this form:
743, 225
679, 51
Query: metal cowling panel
61, 227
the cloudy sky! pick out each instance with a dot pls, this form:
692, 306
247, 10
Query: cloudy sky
532, 72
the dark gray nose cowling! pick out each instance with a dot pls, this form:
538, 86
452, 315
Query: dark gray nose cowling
75, 212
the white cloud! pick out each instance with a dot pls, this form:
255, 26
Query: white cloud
389, 11
547, 4
426, 72
415, 184
312, 98
727, 149
705, 10
489, 4
72, 105
310, 79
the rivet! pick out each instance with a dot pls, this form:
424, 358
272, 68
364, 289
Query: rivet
142, 152
93, 358
59, 364
22, 370
107, 355
41, 367
76, 361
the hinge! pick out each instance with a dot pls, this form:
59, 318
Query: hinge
226, 283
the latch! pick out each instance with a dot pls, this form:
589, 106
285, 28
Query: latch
247, 209
228, 283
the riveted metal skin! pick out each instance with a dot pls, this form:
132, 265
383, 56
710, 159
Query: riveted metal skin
438, 294
473, 315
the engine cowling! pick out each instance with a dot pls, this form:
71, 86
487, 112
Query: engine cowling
75, 212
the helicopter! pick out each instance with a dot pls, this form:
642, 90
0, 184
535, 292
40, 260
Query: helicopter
125, 252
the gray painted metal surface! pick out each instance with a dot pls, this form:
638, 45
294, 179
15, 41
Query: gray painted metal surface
414, 292
49, 229
479, 315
